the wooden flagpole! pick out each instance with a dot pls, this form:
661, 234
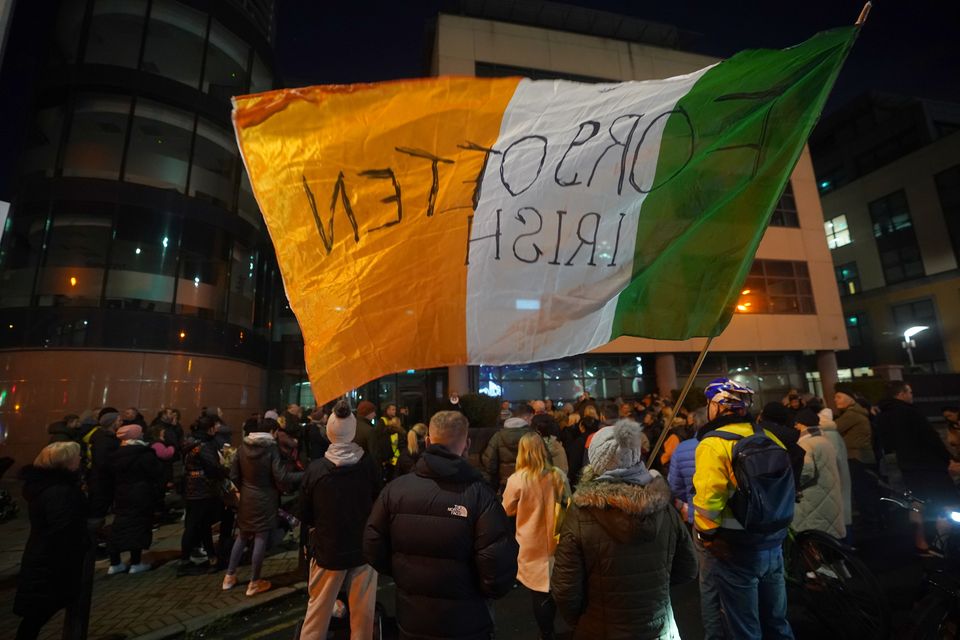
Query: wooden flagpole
679, 403
863, 14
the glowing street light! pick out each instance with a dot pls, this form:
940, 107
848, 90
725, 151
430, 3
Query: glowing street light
909, 343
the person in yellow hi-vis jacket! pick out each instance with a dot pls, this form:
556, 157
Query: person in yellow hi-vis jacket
743, 502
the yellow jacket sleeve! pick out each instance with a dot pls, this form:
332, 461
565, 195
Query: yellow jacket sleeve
712, 483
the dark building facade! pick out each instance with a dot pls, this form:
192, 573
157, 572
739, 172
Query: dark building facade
134, 267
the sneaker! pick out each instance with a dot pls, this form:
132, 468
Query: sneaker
117, 568
140, 568
229, 582
198, 556
258, 586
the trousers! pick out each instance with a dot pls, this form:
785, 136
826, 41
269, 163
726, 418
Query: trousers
323, 587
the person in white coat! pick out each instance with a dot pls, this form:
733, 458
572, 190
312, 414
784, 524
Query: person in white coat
821, 495
829, 429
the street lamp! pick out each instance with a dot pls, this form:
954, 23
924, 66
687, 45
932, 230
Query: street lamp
908, 341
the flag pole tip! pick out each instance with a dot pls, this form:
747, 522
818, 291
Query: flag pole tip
864, 13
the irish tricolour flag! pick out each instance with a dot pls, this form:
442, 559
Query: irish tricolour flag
457, 220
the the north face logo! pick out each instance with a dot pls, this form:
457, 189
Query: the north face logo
458, 510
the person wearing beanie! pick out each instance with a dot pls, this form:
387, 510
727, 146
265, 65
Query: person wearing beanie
258, 472
336, 500
137, 476
820, 504
622, 517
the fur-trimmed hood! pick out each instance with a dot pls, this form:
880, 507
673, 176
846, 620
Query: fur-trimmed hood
623, 510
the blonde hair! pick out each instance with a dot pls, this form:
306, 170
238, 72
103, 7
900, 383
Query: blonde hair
57, 455
532, 463
590, 411
413, 442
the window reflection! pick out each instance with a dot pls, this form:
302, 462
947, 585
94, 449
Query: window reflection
143, 260
260, 78
95, 146
225, 72
72, 274
243, 273
214, 174
159, 146
246, 203
20, 254
43, 140
67, 34
204, 252
174, 47
116, 27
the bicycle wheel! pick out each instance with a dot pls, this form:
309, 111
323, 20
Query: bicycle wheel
937, 619
839, 588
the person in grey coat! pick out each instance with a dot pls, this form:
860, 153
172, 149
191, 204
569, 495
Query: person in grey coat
259, 473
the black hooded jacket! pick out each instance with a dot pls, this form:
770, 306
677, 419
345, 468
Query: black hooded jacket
53, 557
444, 537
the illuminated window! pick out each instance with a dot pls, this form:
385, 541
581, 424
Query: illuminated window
777, 286
848, 279
838, 233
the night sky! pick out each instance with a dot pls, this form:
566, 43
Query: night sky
909, 47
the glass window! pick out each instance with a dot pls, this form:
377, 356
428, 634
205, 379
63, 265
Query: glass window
890, 214
225, 74
175, 37
948, 191
838, 233
204, 252
561, 369
901, 264
785, 213
848, 278
856, 324
143, 261
20, 253
116, 28
43, 140
246, 204
777, 286
243, 278
72, 273
521, 372
66, 43
260, 78
519, 391
213, 176
159, 146
95, 144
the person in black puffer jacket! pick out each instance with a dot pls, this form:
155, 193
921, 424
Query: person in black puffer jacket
137, 477
444, 537
338, 493
259, 472
621, 546
52, 562
499, 459
203, 474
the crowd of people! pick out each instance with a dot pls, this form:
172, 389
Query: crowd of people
561, 502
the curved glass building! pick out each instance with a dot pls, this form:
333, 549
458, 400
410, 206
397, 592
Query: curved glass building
134, 267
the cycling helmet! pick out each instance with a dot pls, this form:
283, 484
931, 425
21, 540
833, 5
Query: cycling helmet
729, 393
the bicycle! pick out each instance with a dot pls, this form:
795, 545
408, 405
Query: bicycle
836, 585
937, 614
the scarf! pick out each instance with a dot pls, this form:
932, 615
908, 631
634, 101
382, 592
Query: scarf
344, 454
636, 474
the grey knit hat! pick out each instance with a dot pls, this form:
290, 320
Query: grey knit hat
617, 447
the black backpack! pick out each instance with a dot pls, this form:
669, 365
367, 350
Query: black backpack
766, 494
